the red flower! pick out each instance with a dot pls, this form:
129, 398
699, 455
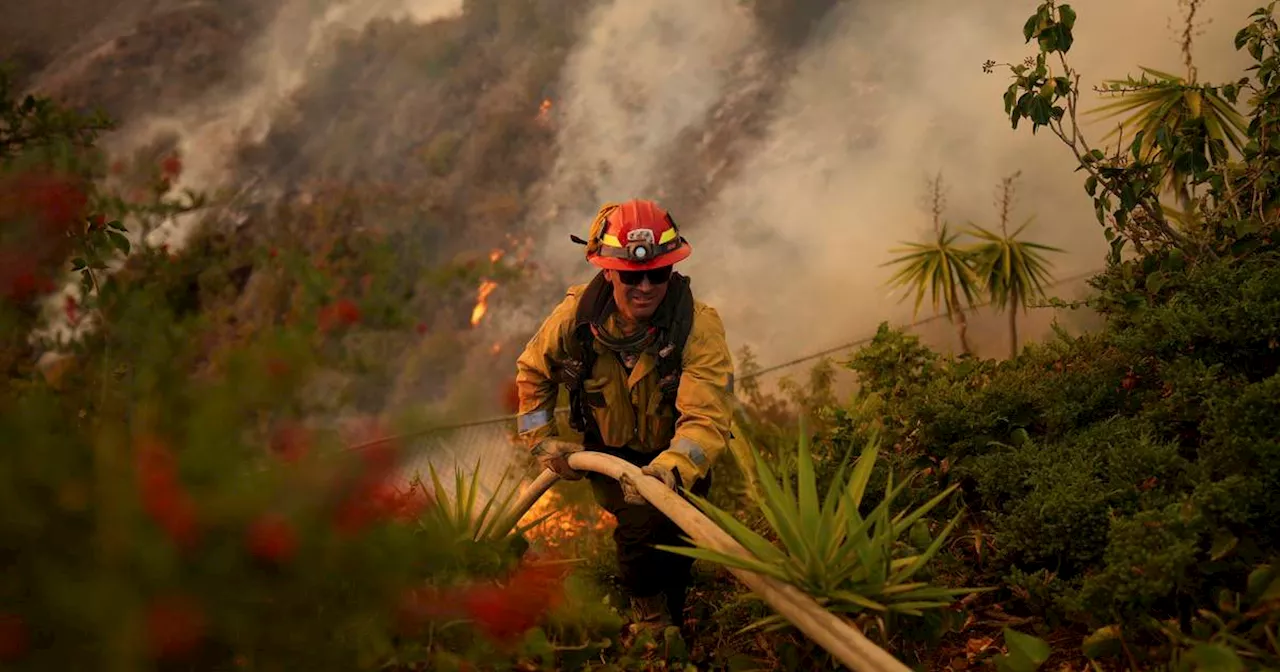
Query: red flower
272, 538
163, 497
343, 312
58, 201
407, 505
40, 211
504, 613
379, 456
421, 328
171, 166
359, 509
14, 637
21, 279
372, 500
375, 501
291, 442
174, 627
72, 310
97, 222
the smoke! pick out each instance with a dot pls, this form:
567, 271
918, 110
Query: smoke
791, 252
295, 47
790, 249
643, 73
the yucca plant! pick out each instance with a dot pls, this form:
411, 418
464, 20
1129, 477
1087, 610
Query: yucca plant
940, 267
1012, 271
849, 562
456, 517
1164, 108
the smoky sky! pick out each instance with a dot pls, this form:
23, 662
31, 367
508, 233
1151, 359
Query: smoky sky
873, 99
882, 97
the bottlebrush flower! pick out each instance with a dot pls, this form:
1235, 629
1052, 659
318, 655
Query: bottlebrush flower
373, 497
290, 442
407, 505
343, 312
375, 500
72, 310
272, 538
57, 201
163, 497
504, 613
21, 278
171, 166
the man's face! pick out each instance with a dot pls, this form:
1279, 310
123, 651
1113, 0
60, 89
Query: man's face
639, 300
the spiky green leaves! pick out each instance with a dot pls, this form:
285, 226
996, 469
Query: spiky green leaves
1010, 270
1176, 123
849, 562
940, 268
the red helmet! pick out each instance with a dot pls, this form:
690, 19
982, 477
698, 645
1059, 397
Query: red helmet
634, 236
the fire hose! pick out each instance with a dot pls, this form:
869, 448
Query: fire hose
838, 636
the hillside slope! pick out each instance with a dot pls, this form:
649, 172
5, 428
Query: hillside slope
782, 135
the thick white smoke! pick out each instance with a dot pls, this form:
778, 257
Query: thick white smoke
644, 72
889, 97
296, 46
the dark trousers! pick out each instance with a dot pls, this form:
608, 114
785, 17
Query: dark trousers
643, 570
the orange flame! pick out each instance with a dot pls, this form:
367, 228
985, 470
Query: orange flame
494, 256
544, 111
566, 524
495, 349
477, 313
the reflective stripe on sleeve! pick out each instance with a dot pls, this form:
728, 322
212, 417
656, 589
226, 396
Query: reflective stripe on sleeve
533, 420
691, 450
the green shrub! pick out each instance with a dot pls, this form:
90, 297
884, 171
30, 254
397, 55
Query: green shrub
1150, 445
166, 497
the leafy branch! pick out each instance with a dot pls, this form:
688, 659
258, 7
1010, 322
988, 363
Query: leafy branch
1125, 189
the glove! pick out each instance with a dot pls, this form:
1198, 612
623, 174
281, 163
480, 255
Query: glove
554, 454
668, 476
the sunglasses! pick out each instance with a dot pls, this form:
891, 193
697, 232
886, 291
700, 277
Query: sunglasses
656, 276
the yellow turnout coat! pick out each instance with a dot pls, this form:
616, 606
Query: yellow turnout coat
627, 407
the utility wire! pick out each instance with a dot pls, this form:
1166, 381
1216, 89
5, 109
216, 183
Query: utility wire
754, 374
919, 323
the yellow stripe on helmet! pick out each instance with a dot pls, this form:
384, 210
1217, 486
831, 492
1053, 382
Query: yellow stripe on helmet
667, 236
610, 240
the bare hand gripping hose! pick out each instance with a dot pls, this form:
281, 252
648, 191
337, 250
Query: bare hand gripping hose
838, 636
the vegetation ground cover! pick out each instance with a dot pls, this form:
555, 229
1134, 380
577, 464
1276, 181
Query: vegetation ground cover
166, 501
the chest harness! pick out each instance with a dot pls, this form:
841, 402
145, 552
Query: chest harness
664, 338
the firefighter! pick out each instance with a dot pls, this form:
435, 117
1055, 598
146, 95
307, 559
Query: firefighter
649, 377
